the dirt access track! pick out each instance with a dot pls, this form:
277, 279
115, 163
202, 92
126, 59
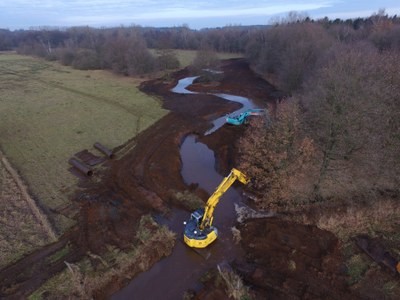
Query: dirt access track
146, 173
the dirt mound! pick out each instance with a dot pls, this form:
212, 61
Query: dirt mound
289, 261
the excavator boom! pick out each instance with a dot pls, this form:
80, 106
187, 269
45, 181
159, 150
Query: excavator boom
199, 232
220, 190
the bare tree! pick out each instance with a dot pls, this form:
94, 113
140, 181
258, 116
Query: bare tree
206, 57
290, 51
274, 154
346, 102
126, 52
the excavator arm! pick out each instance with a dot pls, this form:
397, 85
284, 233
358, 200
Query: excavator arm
220, 190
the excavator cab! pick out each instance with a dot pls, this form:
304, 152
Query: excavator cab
197, 215
194, 236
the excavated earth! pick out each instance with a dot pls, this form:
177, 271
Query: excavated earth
284, 260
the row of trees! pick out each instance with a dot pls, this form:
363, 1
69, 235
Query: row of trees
226, 39
289, 49
337, 135
122, 50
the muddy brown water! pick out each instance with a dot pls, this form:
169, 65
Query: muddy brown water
175, 274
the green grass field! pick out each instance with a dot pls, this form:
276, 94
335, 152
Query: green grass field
49, 112
186, 57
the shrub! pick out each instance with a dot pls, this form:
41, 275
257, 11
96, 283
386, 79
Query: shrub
187, 199
167, 60
86, 59
356, 267
235, 287
66, 57
126, 53
205, 58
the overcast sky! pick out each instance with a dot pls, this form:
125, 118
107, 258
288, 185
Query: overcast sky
16, 14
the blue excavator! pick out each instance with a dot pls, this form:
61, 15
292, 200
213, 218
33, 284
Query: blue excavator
243, 117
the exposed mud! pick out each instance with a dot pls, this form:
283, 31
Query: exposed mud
286, 260
146, 171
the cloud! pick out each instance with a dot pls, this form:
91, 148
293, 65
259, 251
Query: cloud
231, 12
198, 10
27, 13
88, 7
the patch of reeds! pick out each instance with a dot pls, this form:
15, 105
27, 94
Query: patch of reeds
91, 275
187, 199
235, 287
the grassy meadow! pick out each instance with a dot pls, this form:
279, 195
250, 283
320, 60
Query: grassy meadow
186, 57
49, 112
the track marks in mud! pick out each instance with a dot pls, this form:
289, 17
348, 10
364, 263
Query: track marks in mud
22, 278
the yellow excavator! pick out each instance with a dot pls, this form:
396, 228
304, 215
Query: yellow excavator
199, 232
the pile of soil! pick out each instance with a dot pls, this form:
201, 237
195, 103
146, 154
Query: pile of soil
286, 260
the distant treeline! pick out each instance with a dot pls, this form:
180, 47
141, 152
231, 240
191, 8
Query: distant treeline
125, 50
271, 49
